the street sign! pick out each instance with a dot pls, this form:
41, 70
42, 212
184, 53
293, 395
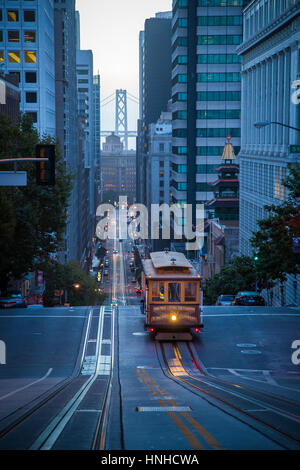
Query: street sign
13, 178
295, 149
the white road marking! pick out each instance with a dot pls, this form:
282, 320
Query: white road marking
27, 386
49, 436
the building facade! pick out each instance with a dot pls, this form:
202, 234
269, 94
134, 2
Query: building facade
206, 92
27, 50
85, 84
271, 64
155, 85
118, 171
66, 114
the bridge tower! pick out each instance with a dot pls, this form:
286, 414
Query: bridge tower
121, 126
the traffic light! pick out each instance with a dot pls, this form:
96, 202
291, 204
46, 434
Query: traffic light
45, 171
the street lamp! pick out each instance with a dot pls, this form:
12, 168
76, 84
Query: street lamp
260, 124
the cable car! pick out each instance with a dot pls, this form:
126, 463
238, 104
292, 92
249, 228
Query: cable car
172, 296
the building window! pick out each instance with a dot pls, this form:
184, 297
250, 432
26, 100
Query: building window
15, 73
14, 57
82, 71
13, 36
218, 96
220, 3
30, 57
83, 90
219, 114
220, 39
182, 59
219, 59
82, 80
1, 56
1, 17
13, 15
30, 77
29, 16
219, 77
182, 22
1, 36
31, 97
179, 132
220, 20
219, 132
29, 36
182, 114
161, 147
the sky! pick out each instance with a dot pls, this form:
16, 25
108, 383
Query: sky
110, 28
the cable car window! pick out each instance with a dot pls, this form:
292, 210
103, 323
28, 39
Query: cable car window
158, 292
190, 289
174, 292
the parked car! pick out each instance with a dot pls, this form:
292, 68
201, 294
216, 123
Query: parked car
106, 264
249, 298
225, 300
105, 272
13, 301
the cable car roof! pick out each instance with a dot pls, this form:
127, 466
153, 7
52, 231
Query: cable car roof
163, 259
169, 265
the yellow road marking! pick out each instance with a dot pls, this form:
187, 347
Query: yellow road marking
211, 441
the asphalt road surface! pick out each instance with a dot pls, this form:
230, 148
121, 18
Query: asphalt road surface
93, 378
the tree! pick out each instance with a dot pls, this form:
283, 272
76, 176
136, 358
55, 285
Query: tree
33, 217
81, 288
239, 275
273, 242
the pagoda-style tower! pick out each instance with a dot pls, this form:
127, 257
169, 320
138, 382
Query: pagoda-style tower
226, 188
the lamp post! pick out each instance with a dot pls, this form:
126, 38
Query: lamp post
260, 124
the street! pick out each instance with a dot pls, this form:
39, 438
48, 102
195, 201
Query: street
93, 378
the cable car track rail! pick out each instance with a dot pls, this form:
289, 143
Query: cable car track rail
51, 433
216, 392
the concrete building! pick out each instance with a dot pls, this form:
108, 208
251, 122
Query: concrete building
66, 114
86, 108
206, 92
27, 50
271, 63
155, 85
118, 171
97, 141
158, 166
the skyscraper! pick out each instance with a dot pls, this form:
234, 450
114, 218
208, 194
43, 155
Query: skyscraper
27, 50
206, 92
271, 65
155, 85
66, 113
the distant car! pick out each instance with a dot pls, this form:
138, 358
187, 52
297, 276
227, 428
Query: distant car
114, 302
106, 263
115, 252
13, 301
105, 272
225, 300
138, 291
248, 299
131, 264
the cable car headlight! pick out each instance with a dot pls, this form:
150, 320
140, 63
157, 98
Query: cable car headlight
173, 317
